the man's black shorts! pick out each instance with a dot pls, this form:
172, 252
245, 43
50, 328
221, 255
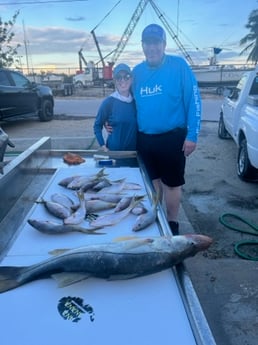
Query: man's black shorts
163, 156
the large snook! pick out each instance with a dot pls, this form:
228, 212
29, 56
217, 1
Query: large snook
112, 261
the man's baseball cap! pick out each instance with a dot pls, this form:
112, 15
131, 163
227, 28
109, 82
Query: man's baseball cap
153, 32
122, 67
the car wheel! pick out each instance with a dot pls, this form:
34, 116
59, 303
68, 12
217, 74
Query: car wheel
222, 132
245, 170
47, 112
70, 91
66, 91
79, 85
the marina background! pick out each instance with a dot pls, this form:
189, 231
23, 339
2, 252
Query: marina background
53, 31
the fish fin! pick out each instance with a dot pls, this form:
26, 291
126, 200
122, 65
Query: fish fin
134, 242
58, 251
118, 181
40, 200
132, 186
101, 173
80, 195
123, 277
93, 231
66, 278
133, 202
9, 278
139, 197
124, 238
141, 242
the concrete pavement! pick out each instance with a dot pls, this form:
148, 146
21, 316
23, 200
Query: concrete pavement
89, 107
77, 107
211, 109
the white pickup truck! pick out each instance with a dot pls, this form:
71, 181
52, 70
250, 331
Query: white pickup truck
239, 120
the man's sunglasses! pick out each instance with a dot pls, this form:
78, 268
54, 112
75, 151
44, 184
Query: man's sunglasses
123, 77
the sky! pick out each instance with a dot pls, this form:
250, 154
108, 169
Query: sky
51, 32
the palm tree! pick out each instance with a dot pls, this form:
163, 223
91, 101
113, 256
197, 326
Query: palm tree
252, 37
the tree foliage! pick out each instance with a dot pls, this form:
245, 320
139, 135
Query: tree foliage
251, 39
8, 52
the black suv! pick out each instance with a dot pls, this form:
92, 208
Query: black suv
19, 96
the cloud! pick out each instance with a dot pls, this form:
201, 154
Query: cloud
75, 19
59, 46
46, 40
56, 45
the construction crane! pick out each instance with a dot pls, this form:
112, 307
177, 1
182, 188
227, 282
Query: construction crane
81, 58
130, 28
98, 48
133, 22
171, 32
125, 36
115, 54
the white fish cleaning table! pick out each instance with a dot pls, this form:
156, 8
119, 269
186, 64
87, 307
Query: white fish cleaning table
156, 309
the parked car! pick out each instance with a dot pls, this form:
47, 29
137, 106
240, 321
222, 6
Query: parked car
239, 120
19, 96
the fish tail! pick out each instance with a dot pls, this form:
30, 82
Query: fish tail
135, 201
80, 195
93, 231
9, 278
101, 173
40, 200
139, 198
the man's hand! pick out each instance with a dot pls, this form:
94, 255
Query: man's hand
188, 147
104, 148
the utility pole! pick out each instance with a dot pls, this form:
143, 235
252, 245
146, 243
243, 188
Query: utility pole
26, 48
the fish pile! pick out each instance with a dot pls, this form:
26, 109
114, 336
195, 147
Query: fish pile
111, 261
95, 194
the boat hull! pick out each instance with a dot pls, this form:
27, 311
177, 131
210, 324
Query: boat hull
219, 76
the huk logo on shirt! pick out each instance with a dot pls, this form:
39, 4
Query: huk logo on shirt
151, 91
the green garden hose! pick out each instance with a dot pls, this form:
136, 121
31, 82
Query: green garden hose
253, 230
241, 253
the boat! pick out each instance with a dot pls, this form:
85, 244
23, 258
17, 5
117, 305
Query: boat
219, 75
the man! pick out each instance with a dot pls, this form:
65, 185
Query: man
168, 115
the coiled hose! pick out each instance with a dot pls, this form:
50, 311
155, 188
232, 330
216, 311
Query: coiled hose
253, 230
